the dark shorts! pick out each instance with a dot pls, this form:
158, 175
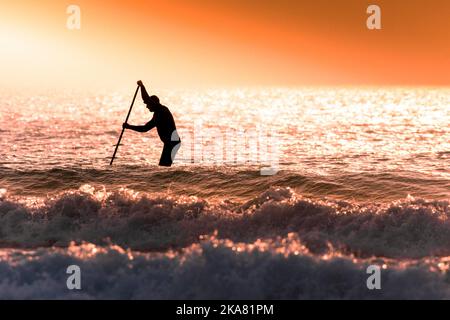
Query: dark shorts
170, 149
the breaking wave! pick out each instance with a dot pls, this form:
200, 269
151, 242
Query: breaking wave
215, 269
411, 228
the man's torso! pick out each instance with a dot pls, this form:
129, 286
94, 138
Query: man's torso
165, 124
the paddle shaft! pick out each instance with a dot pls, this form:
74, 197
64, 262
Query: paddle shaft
123, 129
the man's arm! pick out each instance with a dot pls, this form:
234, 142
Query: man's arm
145, 95
146, 127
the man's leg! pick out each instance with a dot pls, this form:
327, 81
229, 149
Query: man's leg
167, 155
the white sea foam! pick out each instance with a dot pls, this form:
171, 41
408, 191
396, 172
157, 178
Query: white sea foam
215, 269
403, 229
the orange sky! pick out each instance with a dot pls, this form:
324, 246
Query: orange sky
180, 43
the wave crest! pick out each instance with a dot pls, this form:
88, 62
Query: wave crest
157, 222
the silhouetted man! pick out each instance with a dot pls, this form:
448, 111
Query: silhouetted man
164, 123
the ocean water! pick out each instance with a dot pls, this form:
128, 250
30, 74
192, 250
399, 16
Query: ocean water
362, 178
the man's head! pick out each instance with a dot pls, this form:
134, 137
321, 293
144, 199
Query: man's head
152, 103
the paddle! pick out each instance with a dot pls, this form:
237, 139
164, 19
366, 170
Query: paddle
123, 129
